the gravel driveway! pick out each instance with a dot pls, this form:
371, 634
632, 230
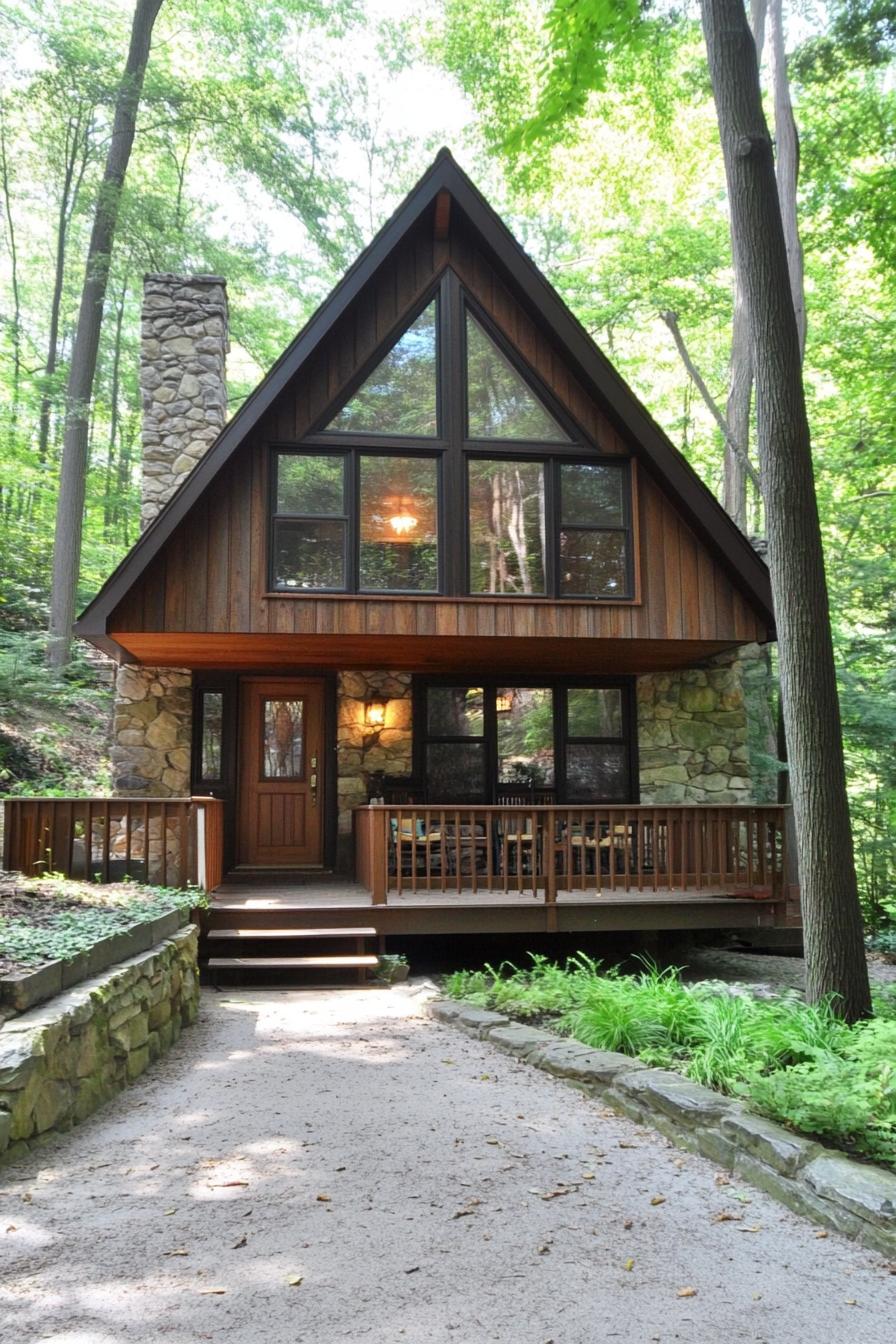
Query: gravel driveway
322, 1167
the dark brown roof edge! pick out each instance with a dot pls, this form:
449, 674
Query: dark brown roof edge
699, 504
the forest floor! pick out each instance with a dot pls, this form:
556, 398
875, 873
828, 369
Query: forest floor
335, 1166
53, 734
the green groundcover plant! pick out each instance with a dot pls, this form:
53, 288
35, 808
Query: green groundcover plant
798, 1063
85, 920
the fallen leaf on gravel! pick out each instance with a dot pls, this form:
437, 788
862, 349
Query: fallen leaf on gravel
323, 1199
448, 1061
629, 1265
168, 1212
722, 1179
821, 1234
484, 1077
295, 1280
561, 1190
463, 1213
11, 1228
686, 1292
658, 1199
413, 1269
851, 1302
26, 1198
755, 1228
587, 1175
237, 1244
725, 1217
545, 1249
623, 1144
628, 1224
490, 1138
212, 1292
180, 1250
224, 1185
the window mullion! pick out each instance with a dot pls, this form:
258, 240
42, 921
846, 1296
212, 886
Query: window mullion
451, 352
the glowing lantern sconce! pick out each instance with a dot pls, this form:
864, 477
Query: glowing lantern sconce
375, 713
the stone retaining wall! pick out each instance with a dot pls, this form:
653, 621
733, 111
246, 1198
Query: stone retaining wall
61, 1061
854, 1198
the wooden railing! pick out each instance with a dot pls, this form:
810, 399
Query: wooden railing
169, 842
541, 851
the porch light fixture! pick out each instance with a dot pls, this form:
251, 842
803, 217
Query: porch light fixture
504, 702
375, 713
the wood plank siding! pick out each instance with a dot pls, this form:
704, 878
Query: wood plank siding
209, 581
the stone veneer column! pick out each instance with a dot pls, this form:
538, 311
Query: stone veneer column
362, 750
706, 735
184, 392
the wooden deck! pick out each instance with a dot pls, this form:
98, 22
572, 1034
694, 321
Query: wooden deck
333, 902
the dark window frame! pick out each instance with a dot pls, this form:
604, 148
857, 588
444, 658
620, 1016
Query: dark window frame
351, 517
560, 686
454, 449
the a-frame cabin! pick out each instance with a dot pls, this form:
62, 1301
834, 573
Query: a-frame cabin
444, 560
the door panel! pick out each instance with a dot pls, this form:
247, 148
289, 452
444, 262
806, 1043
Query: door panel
281, 772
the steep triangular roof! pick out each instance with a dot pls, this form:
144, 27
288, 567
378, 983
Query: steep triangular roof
697, 503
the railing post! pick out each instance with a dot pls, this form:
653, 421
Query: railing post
549, 824
379, 855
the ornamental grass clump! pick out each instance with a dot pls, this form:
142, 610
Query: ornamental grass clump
798, 1063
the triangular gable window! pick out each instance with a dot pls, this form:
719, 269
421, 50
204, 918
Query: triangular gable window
400, 396
500, 405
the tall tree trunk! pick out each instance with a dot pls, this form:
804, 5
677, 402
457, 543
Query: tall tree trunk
787, 144
68, 200
737, 414
73, 473
835, 952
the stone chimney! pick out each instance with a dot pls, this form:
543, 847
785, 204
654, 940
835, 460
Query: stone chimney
182, 379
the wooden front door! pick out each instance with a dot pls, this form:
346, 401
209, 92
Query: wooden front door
281, 799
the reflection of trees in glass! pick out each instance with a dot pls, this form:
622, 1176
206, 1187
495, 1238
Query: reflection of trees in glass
455, 711
507, 526
526, 735
593, 711
309, 555
499, 404
310, 483
591, 494
212, 710
400, 396
398, 524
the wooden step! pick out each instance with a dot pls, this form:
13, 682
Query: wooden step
288, 963
291, 933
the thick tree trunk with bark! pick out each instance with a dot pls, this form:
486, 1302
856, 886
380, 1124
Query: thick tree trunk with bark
835, 952
73, 472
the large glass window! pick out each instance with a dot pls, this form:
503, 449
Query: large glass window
310, 524
451, 469
594, 550
525, 735
454, 749
500, 404
507, 526
597, 753
386, 541
398, 524
561, 742
401, 395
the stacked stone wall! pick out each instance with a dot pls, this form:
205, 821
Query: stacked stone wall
152, 732
706, 735
182, 380
64, 1059
361, 749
